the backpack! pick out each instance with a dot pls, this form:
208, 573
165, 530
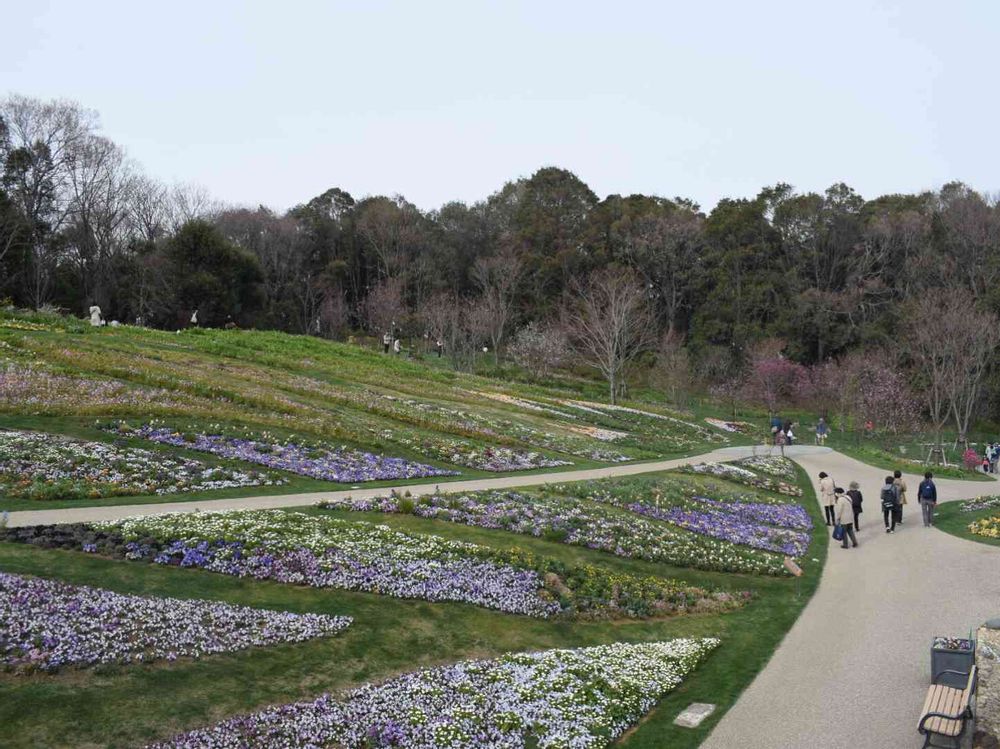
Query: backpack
926, 490
888, 497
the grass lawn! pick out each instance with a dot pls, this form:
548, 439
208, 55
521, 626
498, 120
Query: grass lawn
117, 706
950, 518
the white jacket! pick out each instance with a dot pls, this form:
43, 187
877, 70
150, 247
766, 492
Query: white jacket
826, 487
843, 511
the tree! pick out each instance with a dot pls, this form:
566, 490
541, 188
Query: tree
540, 347
950, 344
672, 368
771, 379
384, 310
608, 322
498, 279
208, 273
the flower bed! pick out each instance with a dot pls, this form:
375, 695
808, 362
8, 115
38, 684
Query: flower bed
36, 465
733, 427
324, 552
578, 523
987, 527
586, 697
45, 625
736, 472
717, 521
777, 466
980, 503
329, 464
29, 389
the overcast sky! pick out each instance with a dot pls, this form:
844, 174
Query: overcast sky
268, 102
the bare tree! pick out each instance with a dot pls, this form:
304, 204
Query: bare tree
672, 370
539, 347
950, 343
608, 323
499, 278
384, 309
188, 202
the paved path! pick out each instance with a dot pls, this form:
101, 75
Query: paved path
854, 669
113, 512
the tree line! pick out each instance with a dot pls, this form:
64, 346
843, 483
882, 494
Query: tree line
532, 268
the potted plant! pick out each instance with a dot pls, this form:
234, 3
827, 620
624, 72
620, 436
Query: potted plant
952, 654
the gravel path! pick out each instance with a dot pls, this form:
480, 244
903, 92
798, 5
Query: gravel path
861, 648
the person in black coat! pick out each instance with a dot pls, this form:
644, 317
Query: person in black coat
856, 499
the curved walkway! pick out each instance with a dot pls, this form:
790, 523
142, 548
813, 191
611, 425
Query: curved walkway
854, 669
271, 501
859, 649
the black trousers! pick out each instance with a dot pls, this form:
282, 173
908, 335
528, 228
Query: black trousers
889, 513
828, 509
857, 520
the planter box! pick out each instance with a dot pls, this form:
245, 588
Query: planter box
949, 659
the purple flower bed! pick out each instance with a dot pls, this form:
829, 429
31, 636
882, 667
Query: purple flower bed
477, 582
729, 527
784, 516
45, 624
340, 465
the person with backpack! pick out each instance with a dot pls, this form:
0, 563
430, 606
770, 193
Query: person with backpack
844, 515
927, 495
890, 501
900, 483
856, 499
827, 496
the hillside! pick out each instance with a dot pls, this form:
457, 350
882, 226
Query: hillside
311, 409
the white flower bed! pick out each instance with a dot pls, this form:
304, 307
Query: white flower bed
45, 624
584, 698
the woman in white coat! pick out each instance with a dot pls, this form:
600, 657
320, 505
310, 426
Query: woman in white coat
826, 496
844, 515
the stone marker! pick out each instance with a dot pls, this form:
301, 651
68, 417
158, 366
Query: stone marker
692, 717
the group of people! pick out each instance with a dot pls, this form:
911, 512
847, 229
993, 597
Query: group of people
843, 509
991, 456
782, 432
396, 344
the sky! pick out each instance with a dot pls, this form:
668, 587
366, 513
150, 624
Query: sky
273, 103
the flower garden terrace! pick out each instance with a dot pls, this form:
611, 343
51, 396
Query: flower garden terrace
426, 619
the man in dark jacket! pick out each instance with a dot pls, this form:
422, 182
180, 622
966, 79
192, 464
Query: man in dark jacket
927, 494
890, 503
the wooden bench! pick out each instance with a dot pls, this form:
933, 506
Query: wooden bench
946, 711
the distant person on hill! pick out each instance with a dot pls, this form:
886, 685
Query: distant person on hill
440, 347
844, 516
397, 347
827, 496
899, 481
927, 495
194, 318
890, 501
856, 499
821, 431
386, 342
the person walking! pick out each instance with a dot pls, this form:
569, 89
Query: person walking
844, 515
827, 496
994, 457
890, 501
397, 347
927, 496
789, 436
386, 342
821, 431
856, 499
779, 440
899, 481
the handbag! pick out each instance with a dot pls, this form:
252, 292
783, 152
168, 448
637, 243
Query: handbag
838, 532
